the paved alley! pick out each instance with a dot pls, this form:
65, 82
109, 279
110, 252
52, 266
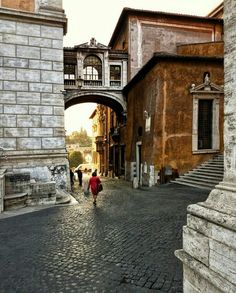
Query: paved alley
125, 244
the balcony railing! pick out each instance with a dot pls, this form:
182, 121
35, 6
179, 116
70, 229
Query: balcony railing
69, 81
115, 83
93, 83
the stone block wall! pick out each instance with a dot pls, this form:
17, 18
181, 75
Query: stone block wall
31, 103
209, 239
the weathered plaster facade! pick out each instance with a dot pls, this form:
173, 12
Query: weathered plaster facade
209, 238
161, 95
142, 33
31, 79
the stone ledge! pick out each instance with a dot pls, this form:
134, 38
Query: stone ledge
42, 19
210, 276
15, 195
206, 212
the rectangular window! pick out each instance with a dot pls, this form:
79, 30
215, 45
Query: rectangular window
115, 75
205, 124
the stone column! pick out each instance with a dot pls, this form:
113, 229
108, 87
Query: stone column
209, 238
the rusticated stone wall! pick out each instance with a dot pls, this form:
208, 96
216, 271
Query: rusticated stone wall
31, 104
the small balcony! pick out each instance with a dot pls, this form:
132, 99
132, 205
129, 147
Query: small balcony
99, 140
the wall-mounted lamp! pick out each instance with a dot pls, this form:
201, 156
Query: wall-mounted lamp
79, 81
146, 114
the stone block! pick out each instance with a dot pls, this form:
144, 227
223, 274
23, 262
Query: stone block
8, 143
40, 87
15, 109
196, 244
40, 110
28, 98
17, 182
1, 85
39, 64
1, 61
1, 132
57, 44
40, 42
41, 132
28, 30
16, 132
53, 143
58, 66
28, 74
28, 121
7, 50
59, 111
7, 26
15, 39
7, 74
57, 89
16, 62
223, 235
28, 143
222, 259
194, 283
15, 85
52, 77
200, 225
1, 109
8, 98
52, 54
59, 132
7, 120
52, 99
52, 121
51, 32
28, 52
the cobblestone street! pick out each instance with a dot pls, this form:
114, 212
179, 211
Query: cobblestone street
125, 244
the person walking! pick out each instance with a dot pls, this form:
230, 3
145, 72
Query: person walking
80, 176
93, 184
71, 178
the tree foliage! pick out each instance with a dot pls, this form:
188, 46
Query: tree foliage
80, 138
75, 158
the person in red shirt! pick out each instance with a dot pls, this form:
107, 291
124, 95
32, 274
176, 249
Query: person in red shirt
94, 181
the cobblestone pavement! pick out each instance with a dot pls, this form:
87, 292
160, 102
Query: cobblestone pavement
125, 244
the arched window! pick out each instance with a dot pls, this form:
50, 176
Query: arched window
92, 71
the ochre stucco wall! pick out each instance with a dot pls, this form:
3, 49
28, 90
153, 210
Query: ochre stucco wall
164, 93
204, 49
25, 5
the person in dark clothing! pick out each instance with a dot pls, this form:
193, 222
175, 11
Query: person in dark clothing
71, 178
80, 176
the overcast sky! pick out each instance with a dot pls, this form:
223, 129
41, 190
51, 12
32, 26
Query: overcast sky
98, 18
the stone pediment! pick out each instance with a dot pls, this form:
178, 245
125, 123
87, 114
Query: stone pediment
206, 87
92, 44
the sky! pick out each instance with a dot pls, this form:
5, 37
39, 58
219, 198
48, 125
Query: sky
98, 19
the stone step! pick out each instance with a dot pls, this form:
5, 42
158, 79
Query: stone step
198, 184
206, 176
15, 200
192, 185
208, 171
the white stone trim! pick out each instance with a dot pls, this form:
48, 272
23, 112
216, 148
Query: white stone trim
215, 122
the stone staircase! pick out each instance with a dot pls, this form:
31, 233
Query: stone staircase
206, 176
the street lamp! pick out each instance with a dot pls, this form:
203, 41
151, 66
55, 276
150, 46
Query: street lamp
79, 81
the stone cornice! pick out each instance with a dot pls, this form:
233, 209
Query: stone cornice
38, 18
